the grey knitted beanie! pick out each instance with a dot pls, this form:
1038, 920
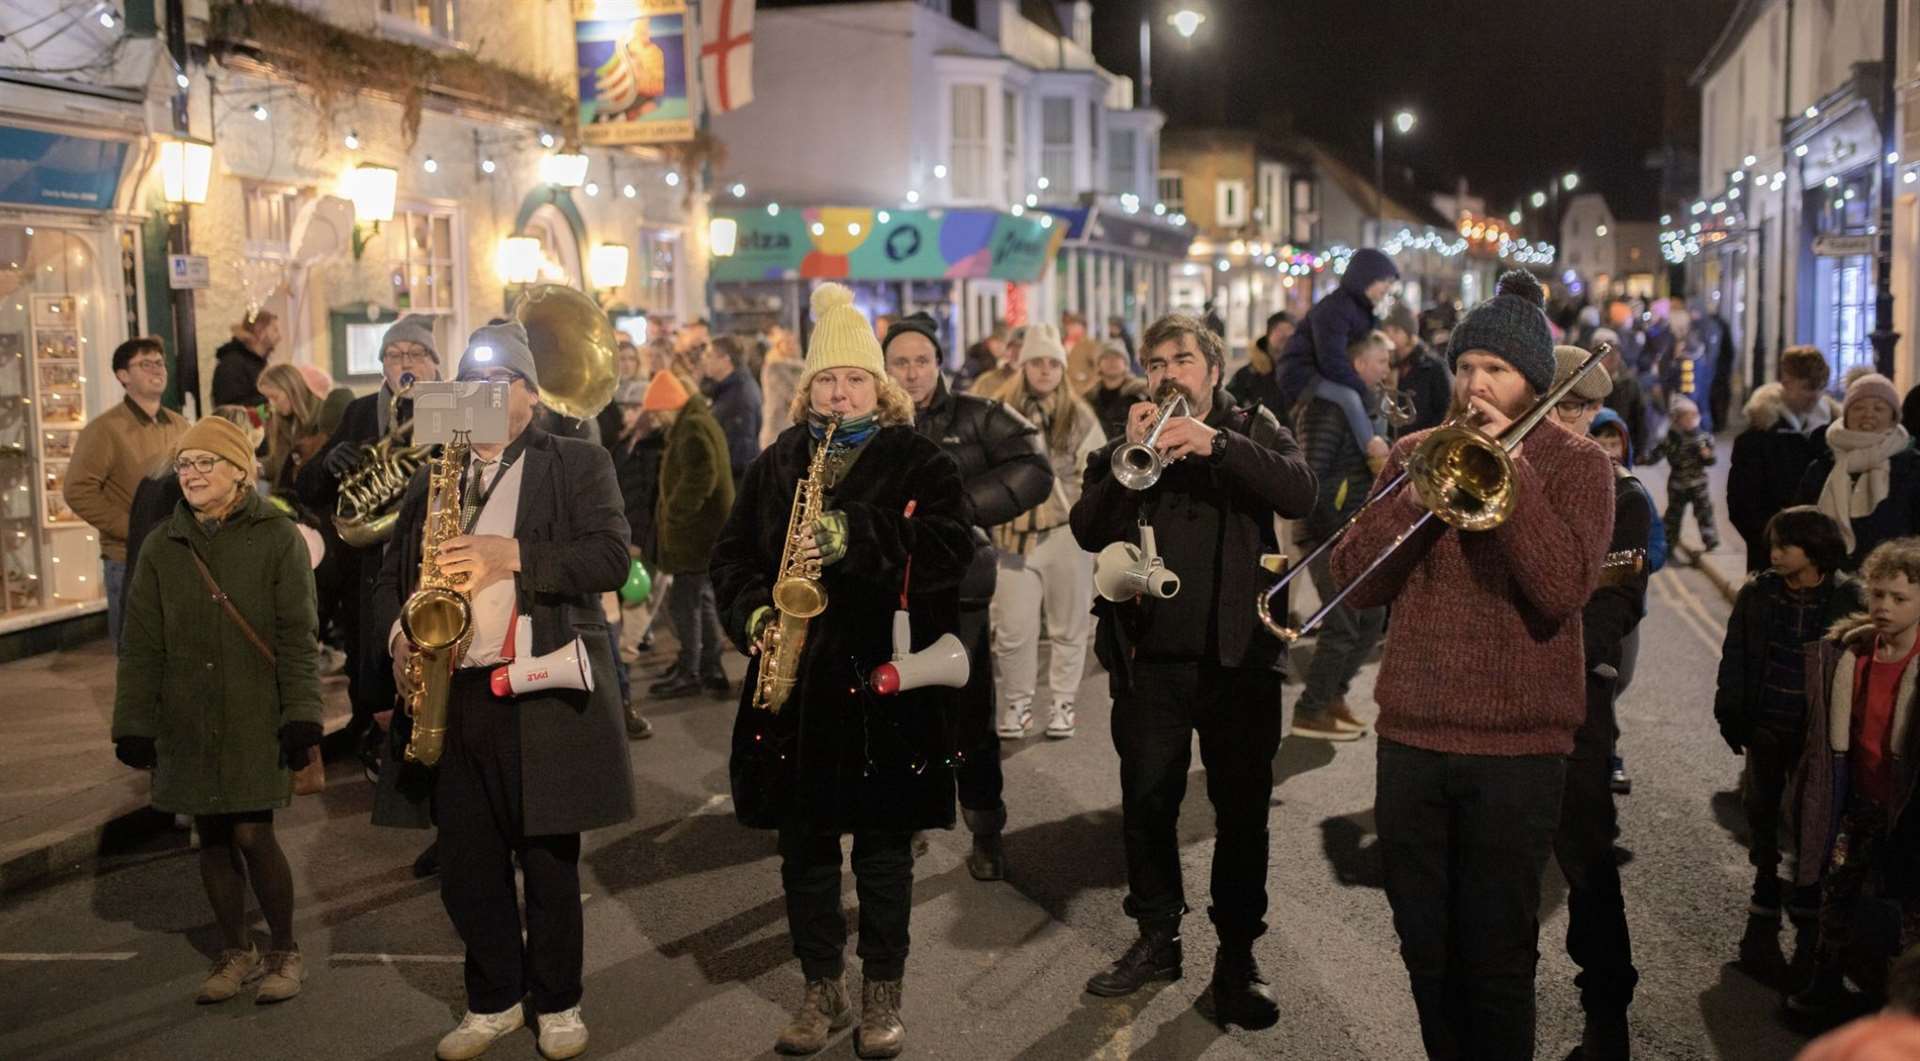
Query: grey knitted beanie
1512, 326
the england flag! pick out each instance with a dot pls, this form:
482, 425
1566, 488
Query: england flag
726, 54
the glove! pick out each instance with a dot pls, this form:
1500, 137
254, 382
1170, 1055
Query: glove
830, 533
1735, 735
295, 739
137, 752
341, 459
757, 623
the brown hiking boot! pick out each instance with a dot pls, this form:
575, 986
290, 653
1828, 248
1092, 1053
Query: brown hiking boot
1321, 727
285, 973
1341, 715
881, 1034
825, 1009
231, 971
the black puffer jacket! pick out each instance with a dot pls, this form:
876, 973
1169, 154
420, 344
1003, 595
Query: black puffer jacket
1003, 465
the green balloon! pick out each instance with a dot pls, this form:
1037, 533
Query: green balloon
639, 584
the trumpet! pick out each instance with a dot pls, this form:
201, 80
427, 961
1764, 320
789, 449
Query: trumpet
1462, 476
1137, 464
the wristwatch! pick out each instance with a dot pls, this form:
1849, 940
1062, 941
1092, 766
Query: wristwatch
1219, 449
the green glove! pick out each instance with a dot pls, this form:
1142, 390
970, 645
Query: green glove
830, 534
757, 622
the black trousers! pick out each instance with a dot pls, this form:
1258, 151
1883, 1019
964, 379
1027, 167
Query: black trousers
478, 808
1464, 839
883, 877
1236, 712
1597, 939
1772, 755
979, 778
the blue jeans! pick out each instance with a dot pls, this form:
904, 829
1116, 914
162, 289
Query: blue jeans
116, 597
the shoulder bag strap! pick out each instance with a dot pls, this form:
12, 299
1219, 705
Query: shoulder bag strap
226, 604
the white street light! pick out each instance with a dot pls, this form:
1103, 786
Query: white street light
1570, 181
1404, 122
1538, 200
1186, 21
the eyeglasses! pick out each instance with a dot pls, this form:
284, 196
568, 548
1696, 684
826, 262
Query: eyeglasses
496, 376
148, 364
1573, 407
406, 357
201, 465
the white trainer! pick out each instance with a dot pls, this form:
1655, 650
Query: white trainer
477, 1032
1015, 719
562, 1034
1060, 721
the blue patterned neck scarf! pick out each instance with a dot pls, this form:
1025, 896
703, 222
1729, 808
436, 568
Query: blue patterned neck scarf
850, 433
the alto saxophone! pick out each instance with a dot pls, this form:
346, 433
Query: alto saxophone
437, 620
798, 595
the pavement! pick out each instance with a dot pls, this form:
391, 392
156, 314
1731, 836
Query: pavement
687, 951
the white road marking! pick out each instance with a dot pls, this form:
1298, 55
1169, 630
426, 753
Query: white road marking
1693, 602
713, 803
395, 959
1666, 587
77, 956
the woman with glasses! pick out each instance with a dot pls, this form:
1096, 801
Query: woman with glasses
218, 694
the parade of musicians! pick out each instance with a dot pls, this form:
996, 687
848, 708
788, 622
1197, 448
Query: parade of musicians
973, 529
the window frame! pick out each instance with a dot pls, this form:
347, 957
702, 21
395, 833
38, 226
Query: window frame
1230, 203
979, 146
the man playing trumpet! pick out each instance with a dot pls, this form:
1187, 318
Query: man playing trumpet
1482, 688
1196, 661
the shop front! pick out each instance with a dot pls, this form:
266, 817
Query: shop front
965, 268
69, 293
1112, 266
1839, 155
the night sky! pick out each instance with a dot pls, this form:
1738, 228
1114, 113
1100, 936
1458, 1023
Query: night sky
1508, 92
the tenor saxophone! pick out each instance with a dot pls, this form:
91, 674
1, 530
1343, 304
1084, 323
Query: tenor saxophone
798, 595
437, 620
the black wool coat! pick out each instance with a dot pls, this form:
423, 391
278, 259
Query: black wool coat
575, 773
835, 758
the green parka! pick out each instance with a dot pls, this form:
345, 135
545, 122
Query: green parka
696, 489
191, 680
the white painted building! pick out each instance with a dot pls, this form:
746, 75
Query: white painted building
869, 117
1790, 152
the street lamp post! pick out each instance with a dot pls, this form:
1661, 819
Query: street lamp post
1883, 337
1186, 21
1403, 123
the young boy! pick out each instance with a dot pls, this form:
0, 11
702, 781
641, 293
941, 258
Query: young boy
1855, 778
1761, 704
1611, 431
1315, 363
1689, 453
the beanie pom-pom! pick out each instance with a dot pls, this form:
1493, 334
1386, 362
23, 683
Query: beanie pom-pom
830, 296
1518, 282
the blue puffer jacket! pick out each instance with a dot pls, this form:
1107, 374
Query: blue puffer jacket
1319, 347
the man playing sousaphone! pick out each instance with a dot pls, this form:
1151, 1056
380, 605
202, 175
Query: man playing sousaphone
834, 759
543, 534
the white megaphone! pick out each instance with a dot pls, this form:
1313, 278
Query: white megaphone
942, 663
1124, 570
566, 667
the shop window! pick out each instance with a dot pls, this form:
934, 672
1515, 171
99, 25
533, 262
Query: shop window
439, 19
967, 172
1121, 162
422, 264
659, 262
1056, 144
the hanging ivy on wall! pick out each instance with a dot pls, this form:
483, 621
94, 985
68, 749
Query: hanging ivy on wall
335, 64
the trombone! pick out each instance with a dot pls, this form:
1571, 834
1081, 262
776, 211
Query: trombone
1463, 477
1137, 464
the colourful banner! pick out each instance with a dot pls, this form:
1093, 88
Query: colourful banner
54, 169
851, 243
632, 59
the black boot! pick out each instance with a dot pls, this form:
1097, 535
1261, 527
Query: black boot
1605, 1037
987, 860
1154, 956
1240, 994
1826, 995
428, 863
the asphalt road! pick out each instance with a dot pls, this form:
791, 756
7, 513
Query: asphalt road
687, 954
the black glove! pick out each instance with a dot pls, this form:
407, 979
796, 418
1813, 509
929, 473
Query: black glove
137, 752
1735, 735
295, 739
341, 459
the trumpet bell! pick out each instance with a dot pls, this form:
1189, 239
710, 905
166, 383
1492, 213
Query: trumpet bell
1463, 477
1137, 466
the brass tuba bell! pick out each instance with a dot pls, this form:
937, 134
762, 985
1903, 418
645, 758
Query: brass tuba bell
575, 349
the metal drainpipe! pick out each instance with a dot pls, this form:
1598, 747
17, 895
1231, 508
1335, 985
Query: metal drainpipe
1883, 337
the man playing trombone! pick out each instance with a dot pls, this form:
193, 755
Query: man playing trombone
1195, 660
1483, 685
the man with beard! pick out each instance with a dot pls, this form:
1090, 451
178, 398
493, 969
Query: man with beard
1196, 661
1004, 472
1482, 689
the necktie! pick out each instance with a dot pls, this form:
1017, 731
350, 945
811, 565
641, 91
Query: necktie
471, 500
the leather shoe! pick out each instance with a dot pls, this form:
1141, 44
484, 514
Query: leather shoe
675, 688
1240, 993
1155, 956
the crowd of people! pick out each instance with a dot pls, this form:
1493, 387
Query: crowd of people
924, 495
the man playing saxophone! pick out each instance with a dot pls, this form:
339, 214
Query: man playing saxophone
882, 514
543, 535
408, 354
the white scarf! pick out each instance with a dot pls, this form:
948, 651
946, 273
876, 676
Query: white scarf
1866, 455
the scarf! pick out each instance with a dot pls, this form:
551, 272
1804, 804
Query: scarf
1859, 480
852, 432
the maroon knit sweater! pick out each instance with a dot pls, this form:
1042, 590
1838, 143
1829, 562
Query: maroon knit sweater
1484, 654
